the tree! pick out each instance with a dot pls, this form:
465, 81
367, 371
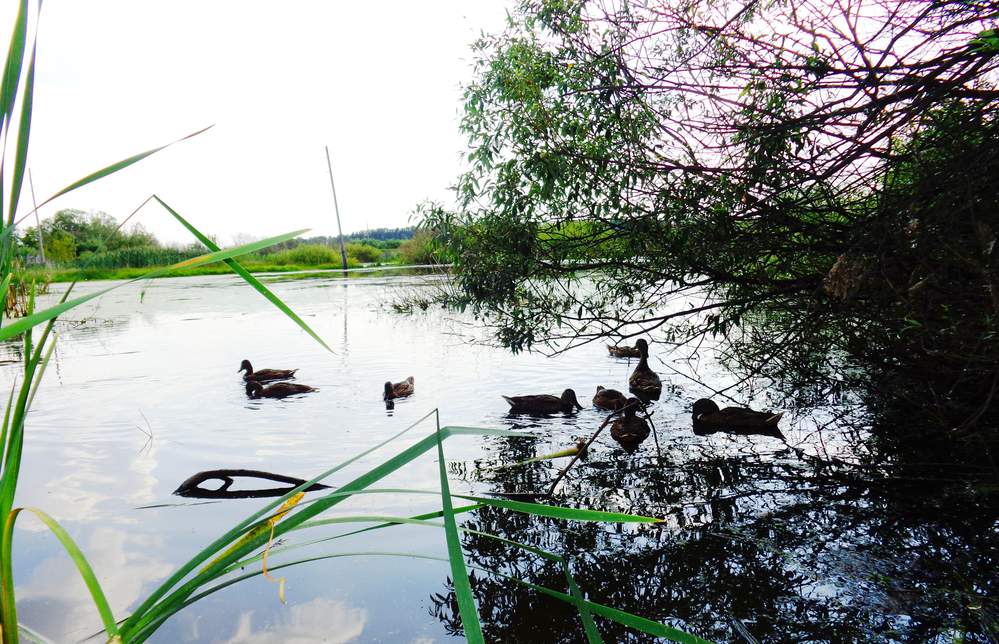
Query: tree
752, 171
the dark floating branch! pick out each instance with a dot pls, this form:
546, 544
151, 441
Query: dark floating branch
191, 488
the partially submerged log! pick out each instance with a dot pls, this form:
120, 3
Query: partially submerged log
191, 488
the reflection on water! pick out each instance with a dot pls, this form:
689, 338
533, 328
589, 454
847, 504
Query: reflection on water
769, 538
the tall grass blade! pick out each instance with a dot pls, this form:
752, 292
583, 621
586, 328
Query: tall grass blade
35, 319
247, 277
12, 69
462, 586
23, 135
114, 167
9, 611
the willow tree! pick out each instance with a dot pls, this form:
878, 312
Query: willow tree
823, 171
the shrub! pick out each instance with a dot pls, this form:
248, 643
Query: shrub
363, 252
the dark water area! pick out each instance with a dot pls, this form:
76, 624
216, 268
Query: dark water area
813, 537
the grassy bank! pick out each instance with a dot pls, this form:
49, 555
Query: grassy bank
88, 274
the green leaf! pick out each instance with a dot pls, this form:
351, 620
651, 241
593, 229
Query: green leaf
247, 277
462, 585
82, 565
114, 167
34, 319
23, 135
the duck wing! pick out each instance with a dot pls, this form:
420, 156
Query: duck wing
743, 417
264, 375
540, 403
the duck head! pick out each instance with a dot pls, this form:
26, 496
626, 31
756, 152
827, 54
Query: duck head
643, 347
245, 366
569, 398
389, 391
702, 407
253, 389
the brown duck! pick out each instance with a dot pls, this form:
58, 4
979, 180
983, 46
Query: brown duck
543, 403
264, 374
644, 382
708, 417
399, 389
277, 390
624, 352
630, 430
609, 399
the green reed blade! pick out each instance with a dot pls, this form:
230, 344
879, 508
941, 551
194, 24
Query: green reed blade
4, 291
29, 321
23, 135
462, 586
585, 616
114, 167
12, 70
148, 612
82, 565
247, 277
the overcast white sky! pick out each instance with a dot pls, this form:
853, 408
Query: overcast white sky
377, 82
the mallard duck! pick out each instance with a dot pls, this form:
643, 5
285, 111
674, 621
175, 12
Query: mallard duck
399, 389
644, 382
264, 374
624, 352
277, 390
543, 403
708, 416
609, 399
630, 430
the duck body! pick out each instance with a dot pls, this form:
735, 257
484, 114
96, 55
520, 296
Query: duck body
543, 403
630, 430
264, 375
399, 389
277, 390
623, 352
609, 399
644, 382
709, 418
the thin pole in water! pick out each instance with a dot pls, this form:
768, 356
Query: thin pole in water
38, 223
336, 208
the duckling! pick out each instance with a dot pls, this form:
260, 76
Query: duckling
609, 399
264, 374
630, 430
399, 389
623, 352
708, 417
277, 390
543, 403
644, 382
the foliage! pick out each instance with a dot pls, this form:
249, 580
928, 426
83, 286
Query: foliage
72, 233
743, 171
418, 250
363, 253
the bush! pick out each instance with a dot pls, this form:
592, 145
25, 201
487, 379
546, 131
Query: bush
419, 249
363, 253
137, 257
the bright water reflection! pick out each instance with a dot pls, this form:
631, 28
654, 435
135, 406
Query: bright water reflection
144, 392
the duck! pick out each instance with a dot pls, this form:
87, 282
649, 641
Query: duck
399, 389
264, 374
543, 403
609, 399
277, 390
644, 382
623, 352
630, 430
708, 417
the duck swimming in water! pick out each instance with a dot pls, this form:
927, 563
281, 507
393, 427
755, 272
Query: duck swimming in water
277, 390
543, 403
399, 389
708, 418
624, 352
609, 399
630, 430
264, 374
644, 382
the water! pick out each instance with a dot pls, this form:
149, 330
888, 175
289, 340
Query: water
757, 539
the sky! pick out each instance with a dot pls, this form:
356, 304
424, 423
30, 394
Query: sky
379, 83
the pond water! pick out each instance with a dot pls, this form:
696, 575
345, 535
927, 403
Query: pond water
760, 541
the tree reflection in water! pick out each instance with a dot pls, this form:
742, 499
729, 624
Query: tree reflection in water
761, 542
